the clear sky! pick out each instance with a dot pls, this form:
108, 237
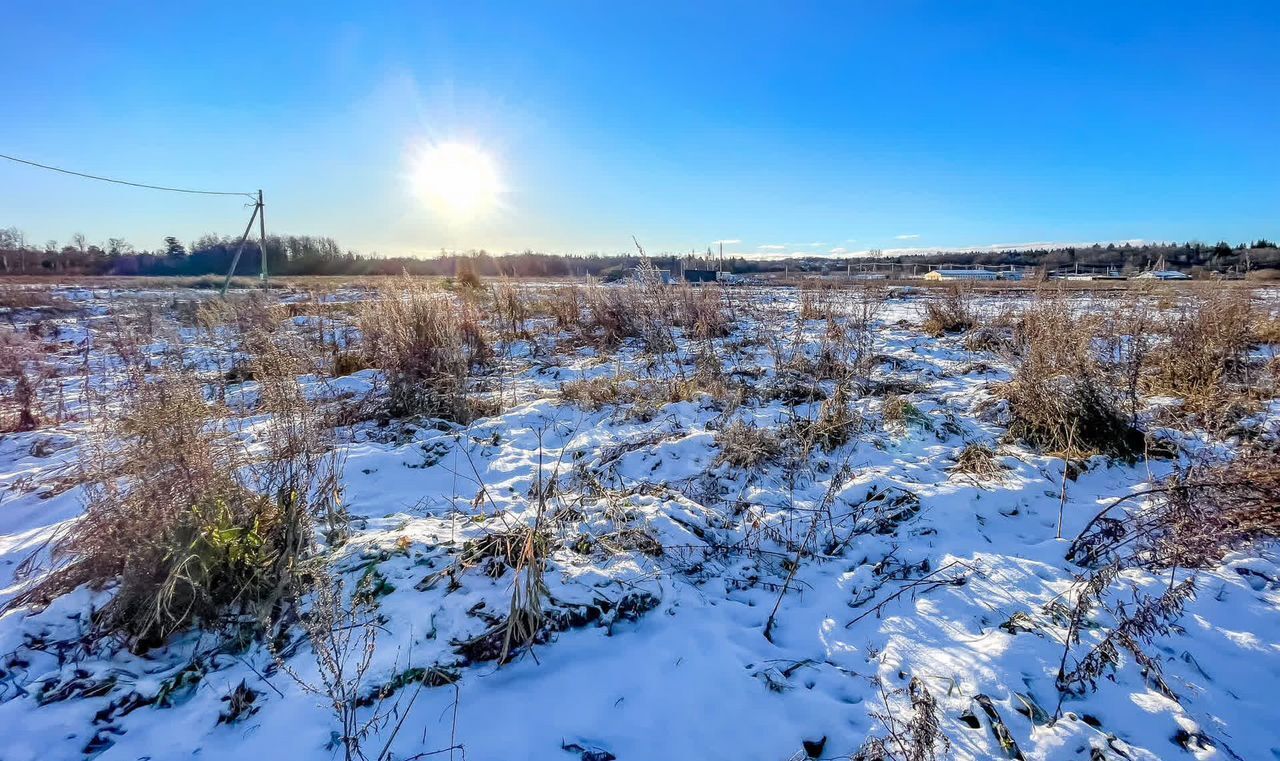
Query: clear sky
786, 126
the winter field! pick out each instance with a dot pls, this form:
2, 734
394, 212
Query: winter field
563, 521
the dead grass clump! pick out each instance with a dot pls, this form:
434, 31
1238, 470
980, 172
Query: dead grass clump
620, 390
834, 426
565, 306
505, 548
817, 304
639, 308
898, 410
1061, 398
173, 522
743, 445
1204, 358
951, 312
348, 362
426, 342
249, 313
20, 407
980, 461
1266, 330
511, 308
701, 311
988, 339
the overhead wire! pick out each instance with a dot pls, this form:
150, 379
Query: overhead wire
126, 182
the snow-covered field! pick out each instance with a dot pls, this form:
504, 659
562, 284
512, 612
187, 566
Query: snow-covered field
697, 608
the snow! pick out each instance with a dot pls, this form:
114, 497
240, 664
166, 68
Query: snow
695, 677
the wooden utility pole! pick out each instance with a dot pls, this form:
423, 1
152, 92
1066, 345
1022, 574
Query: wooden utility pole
262, 236
235, 260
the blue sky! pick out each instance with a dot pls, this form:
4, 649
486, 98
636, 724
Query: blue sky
784, 127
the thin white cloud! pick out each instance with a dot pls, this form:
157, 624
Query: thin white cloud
772, 247
726, 242
907, 236
838, 250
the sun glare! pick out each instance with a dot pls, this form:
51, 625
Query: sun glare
456, 180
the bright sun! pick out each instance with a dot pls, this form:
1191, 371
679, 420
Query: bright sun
457, 180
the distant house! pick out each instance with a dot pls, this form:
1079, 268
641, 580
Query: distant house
700, 276
959, 275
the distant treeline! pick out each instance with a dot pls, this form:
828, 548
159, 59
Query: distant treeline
312, 255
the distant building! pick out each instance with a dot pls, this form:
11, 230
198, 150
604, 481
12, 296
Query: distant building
1162, 275
700, 276
1162, 272
960, 275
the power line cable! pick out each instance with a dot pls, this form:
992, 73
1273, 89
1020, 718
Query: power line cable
126, 182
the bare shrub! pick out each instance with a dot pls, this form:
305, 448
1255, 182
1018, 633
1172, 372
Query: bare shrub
426, 343
1196, 516
343, 632
910, 736
950, 312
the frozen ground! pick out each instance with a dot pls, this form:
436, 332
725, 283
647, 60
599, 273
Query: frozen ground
694, 627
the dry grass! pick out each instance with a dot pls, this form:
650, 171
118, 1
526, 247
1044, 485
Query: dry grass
1061, 398
20, 406
564, 304
639, 308
835, 425
743, 445
898, 410
427, 343
979, 461
511, 308
817, 304
175, 522
951, 312
19, 297
1204, 357
701, 311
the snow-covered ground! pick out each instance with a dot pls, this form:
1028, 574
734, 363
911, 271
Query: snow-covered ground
692, 624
